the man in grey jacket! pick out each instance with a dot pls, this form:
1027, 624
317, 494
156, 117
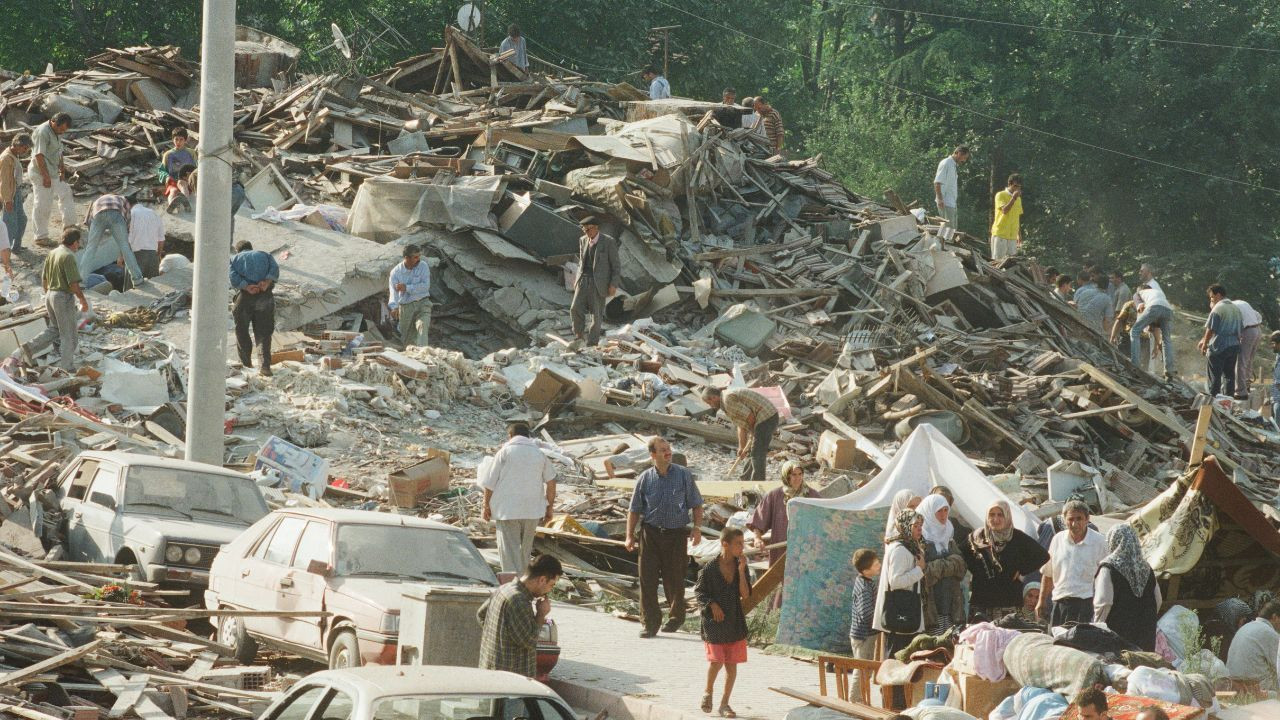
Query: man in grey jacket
599, 272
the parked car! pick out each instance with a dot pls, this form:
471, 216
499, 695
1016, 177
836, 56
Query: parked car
354, 564
418, 692
167, 517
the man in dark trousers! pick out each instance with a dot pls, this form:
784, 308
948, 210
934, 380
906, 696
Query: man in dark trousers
599, 272
664, 497
254, 274
756, 420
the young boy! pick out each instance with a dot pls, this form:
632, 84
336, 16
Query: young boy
861, 637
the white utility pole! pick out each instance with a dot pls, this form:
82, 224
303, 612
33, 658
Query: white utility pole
207, 382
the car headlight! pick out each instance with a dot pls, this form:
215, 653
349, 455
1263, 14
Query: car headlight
173, 553
192, 556
390, 623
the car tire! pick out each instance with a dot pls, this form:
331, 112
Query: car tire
231, 632
344, 651
138, 573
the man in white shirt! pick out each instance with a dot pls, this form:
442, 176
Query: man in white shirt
1153, 309
1250, 335
146, 238
659, 88
1074, 557
946, 184
1251, 659
1147, 276
519, 492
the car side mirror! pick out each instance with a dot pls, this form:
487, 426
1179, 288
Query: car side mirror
320, 567
103, 499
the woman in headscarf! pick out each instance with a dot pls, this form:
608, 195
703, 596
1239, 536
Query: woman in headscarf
901, 501
944, 567
902, 569
999, 556
1126, 595
771, 514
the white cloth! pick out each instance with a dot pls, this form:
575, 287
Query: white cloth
146, 229
899, 572
1251, 317
1153, 296
1073, 565
948, 176
518, 480
659, 88
939, 534
1104, 596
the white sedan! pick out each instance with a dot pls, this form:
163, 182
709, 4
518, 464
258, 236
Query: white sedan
420, 692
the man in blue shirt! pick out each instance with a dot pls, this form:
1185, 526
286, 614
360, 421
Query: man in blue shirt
253, 275
1221, 341
661, 503
410, 297
659, 88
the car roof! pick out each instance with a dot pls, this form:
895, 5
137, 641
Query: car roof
387, 680
367, 517
129, 459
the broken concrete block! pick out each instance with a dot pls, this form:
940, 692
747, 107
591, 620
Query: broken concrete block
750, 331
896, 229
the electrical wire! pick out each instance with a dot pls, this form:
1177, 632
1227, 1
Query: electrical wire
979, 113
566, 56
1025, 26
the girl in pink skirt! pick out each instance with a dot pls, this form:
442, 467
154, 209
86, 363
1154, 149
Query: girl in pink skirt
722, 586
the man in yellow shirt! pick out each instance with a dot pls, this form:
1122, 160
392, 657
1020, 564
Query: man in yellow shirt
1006, 231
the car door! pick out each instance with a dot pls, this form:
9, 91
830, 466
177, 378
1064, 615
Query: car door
93, 528
302, 591
267, 572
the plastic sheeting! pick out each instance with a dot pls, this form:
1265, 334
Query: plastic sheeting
383, 207
825, 532
464, 203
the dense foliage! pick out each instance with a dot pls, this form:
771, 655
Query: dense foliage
1092, 101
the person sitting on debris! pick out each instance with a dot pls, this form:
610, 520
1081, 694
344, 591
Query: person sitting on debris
410, 297
1251, 659
253, 275
771, 121
174, 159
659, 88
599, 274
771, 514
944, 567
146, 238
1126, 595
514, 41
48, 176
664, 497
14, 216
182, 192
110, 215
519, 492
60, 279
756, 420
723, 584
999, 555
1030, 598
1006, 231
1092, 704
513, 616
1221, 341
1074, 557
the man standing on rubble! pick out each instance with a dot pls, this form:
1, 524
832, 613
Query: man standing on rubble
514, 41
664, 497
1250, 335
772, 123
756, 420
48, 177
254, 274
410, 300
60, 279
109, 219
599, 273
946, 182
1153, 310
15, 218
1006, 231
1093, 303
519, 492
659, 88
1221, 340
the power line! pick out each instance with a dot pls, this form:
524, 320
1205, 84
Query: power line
1092, 33
979, 113
576, 60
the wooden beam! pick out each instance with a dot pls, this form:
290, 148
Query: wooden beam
17, 676
1097, 411
715, 433
852, 709
793, 292
768, 582
1201, 434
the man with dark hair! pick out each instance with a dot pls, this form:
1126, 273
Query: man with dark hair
514, 615
60, 279
756, 420
1151, 712
1221, 341
519, 492
664, 497
1251, 659
253, 275
728, 96
514, 41
146, 238
599, 273
410, 298
946, 183
174, 159
1093, 303
1092, 704
1062, 288
659, 88
48, 177
15, 217
1074, 557
771, 120
1006, 231
1119, 291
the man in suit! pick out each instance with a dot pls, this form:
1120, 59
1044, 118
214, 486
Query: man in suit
599, 272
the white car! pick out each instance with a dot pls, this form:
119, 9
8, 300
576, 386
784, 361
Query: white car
418, 692
167, 517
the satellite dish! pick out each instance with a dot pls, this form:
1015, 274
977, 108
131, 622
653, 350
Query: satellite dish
340, 40
469, 17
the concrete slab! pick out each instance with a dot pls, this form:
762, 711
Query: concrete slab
605, 665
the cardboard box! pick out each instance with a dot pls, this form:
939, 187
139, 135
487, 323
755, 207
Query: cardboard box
408, 485
979, 697
550, 388
839, 453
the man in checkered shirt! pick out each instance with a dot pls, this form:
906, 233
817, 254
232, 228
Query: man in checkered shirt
512, 617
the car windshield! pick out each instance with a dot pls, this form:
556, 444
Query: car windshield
412, 552
464, 707
193, 495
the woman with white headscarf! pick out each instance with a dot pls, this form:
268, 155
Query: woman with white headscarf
1126, 595
1000, 557
902, 500
944, 600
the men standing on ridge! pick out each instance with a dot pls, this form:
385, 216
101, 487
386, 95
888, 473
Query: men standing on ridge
1221, 341
772, 122
946, 182
599, 273
410, 298
1006, 231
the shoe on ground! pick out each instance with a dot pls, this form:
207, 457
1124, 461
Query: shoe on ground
647, 633
576, 345
672, 625
265, 372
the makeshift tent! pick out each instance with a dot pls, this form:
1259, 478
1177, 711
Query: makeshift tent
1206, 540
824, 533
